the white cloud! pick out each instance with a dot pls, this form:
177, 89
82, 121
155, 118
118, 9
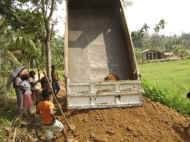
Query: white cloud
174, 12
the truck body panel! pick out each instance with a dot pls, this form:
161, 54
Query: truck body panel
98, 43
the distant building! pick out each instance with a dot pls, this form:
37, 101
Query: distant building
150, 54
168, 54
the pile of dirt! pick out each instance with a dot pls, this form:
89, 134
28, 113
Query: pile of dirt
152, 122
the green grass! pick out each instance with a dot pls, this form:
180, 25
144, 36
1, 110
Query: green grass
7, 114
168, 83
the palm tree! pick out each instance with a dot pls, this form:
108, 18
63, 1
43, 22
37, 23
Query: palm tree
145, 27
160, 25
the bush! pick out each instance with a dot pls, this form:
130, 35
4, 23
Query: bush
180, 104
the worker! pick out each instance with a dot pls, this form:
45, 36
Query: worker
16, 78
35, 90
46, 88
27, 94
45, 109
55, 80
32, 78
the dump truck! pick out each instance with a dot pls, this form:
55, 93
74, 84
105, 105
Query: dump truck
98, 42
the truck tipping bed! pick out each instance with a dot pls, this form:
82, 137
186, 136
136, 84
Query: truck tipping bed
98, 42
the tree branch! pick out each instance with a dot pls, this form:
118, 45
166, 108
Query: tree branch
43, 8
51, 9
52, 28
44, 15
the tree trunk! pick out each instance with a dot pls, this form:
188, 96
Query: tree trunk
48, 32
48, 53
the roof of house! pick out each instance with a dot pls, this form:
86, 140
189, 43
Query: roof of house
154, 50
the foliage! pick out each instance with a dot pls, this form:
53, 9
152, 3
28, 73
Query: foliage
168, 83
160, 25
180, 51
23, 26
14, 46
173, 101
58, 52
23, 36
154, 93
179, 45
138, 35
21, 17
7, 114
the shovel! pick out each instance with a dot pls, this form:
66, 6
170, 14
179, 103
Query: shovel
70, 126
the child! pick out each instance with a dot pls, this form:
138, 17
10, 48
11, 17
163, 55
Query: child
45, 109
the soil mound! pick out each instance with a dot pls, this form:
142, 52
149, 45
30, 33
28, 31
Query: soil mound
152, 122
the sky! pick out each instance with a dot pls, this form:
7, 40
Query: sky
59, 15
176, 13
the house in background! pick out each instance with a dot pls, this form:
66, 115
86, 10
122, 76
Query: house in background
150, 54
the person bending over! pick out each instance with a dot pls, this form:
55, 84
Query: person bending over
45, 109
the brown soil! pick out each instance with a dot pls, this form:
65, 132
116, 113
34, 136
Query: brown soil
152, 122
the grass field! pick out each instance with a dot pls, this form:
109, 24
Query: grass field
168, 82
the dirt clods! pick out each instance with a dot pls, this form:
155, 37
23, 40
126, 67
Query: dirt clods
152, 122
